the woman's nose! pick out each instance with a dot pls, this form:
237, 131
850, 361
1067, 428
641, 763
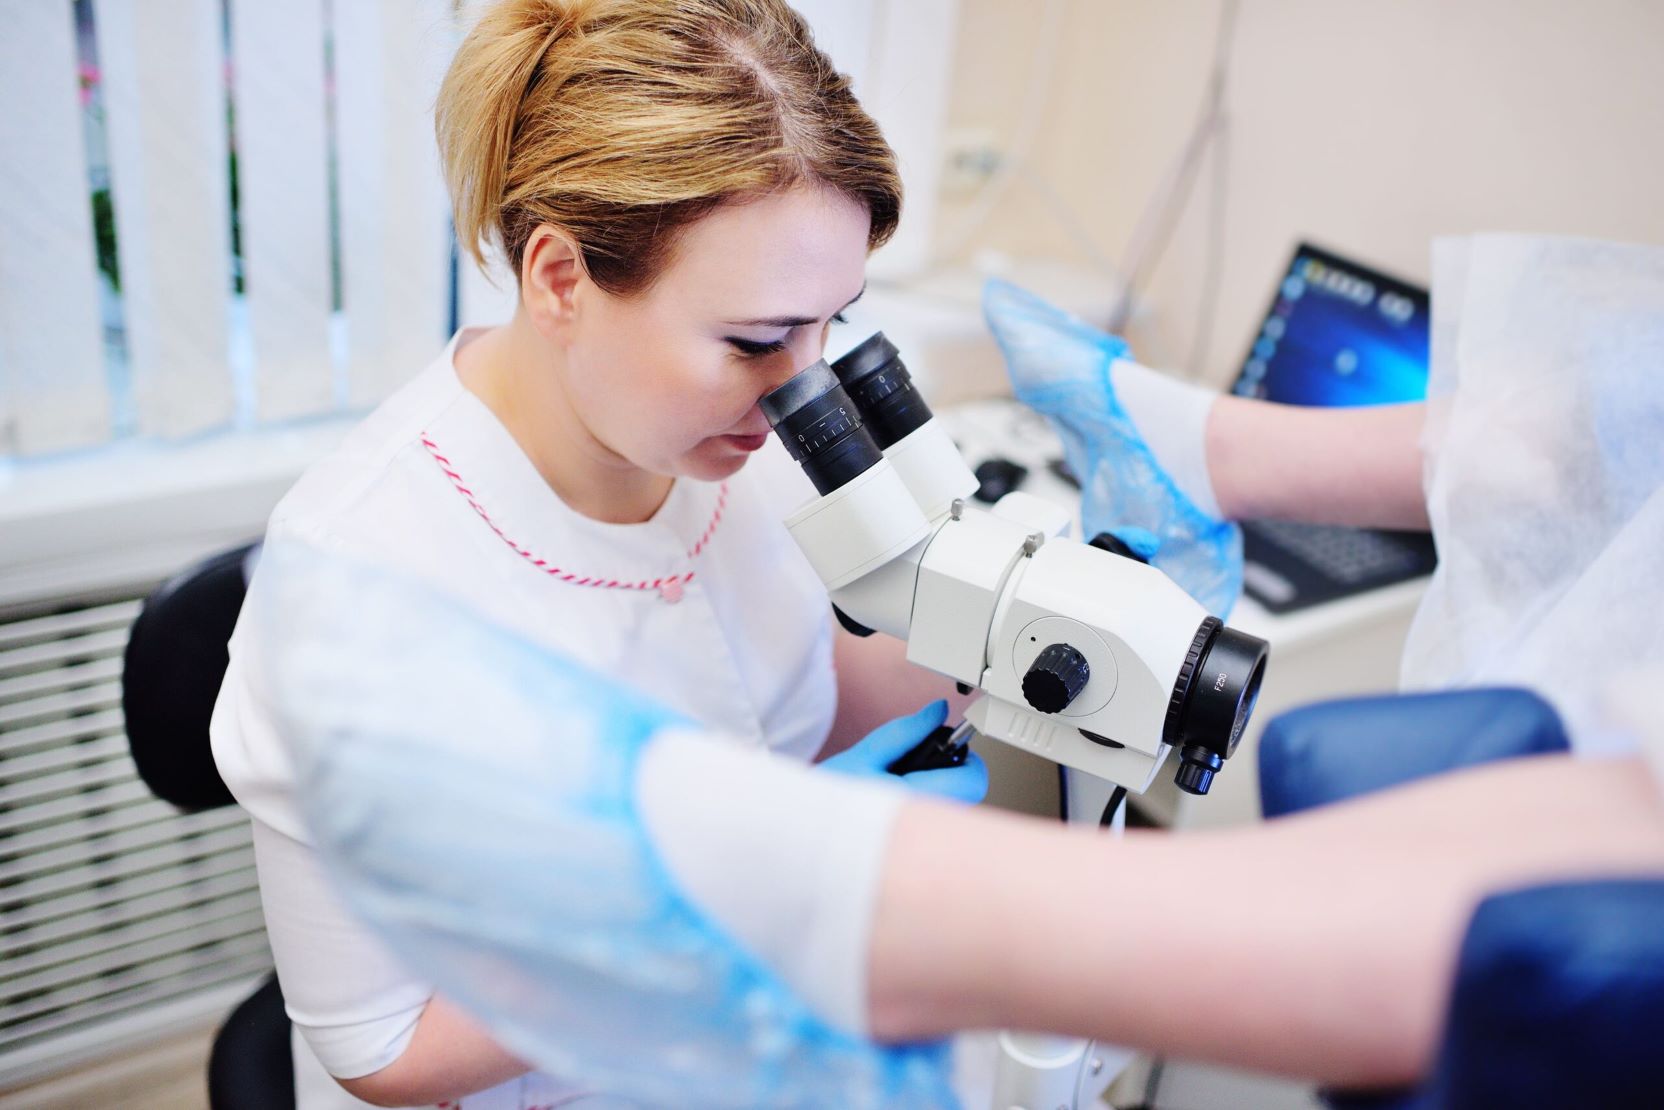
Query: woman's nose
810, 346
798, 355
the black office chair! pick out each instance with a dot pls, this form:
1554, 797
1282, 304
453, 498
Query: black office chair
176, 658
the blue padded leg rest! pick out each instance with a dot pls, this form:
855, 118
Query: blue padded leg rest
1325, 753
1559, 1000
1340, 749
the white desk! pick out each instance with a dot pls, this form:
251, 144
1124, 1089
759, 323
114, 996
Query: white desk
1350, 646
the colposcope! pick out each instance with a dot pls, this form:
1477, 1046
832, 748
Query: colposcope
1085, 655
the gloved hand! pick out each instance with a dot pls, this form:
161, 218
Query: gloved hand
1134, 436
627, 901
873, 753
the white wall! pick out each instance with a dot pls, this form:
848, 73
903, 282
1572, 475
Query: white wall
1367, 126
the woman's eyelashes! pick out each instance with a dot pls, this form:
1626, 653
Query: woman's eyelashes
752, 348
759, 348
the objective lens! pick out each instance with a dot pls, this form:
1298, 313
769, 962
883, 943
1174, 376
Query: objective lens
882, 389
1212, 700
1226, 687
821, 427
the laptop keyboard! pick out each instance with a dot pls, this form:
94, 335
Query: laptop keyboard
1349, 556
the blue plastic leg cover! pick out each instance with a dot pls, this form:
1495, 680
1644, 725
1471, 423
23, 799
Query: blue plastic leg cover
473, 795
1060, 367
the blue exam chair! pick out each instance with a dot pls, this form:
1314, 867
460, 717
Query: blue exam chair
1559, 993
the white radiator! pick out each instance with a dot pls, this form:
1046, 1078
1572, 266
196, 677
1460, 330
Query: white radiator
122, 921
112, 903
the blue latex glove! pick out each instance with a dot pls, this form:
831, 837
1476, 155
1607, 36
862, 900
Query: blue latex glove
890, 741
1061, 367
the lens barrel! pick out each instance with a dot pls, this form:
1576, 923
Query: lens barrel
821, 427
878, 382
1212, 700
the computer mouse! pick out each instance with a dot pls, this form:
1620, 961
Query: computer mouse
998, 477
1065, 473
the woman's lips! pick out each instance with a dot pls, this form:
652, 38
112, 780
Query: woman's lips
747, 443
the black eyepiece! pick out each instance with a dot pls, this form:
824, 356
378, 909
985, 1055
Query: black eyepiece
1212, 700
879, 384
821, 427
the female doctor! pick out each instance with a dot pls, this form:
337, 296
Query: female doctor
687, 192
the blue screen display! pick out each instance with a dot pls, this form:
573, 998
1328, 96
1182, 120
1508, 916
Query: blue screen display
1337, 336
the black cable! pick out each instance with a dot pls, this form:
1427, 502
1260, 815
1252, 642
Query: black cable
1062, 793
1152, 1085
1116, 797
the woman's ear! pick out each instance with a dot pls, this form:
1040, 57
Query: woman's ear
551, 270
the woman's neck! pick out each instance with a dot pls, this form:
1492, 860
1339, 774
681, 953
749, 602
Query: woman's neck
508, 369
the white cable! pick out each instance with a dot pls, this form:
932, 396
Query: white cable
1070, 220
1166, 205
1213, 265
1042, 66
1149, 237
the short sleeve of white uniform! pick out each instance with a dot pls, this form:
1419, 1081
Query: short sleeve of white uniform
433, 487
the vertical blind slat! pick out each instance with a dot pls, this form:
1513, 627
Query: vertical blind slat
51, 332
907, 93
843, 29
395, 247
479, 301
482, 301
280, 132
163, 73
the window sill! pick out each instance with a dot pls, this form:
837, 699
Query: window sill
144, 509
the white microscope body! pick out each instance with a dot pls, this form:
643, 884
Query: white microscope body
978, 596
1084, 654
1089, 658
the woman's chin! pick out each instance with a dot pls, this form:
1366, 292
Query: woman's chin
713, 461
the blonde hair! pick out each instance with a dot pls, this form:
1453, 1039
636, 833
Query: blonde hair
624, 121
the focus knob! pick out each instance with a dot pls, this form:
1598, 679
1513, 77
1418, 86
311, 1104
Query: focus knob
1055, 678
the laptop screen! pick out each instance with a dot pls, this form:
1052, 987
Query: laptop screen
1339, 334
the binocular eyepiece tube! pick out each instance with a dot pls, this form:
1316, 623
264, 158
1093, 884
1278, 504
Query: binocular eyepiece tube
876, 379
821, 427
837, 419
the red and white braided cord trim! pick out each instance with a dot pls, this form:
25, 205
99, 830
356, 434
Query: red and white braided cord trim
573, 577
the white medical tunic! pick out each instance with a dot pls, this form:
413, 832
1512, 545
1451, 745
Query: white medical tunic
432, 486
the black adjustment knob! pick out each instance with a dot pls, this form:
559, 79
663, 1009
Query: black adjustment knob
1197, 766
996, 478
938, 750
1115, 545
850, 624
1055, 678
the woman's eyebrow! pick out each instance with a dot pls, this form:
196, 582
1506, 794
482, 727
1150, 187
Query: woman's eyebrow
791, 321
